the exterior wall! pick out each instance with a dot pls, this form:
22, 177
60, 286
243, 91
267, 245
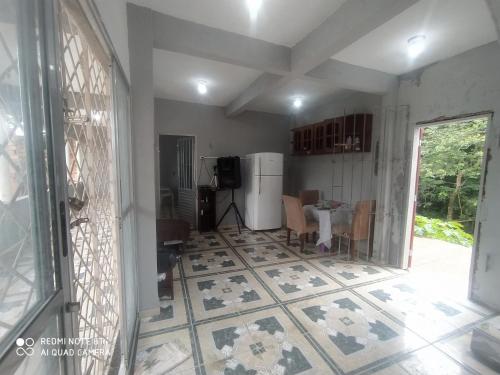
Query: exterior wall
218, 135
465, 84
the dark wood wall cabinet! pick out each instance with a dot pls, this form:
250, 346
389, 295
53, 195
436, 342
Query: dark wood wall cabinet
346, 134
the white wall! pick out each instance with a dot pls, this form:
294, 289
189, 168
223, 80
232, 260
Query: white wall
217, 135
328, 173
114, 16
143, 142
464, 84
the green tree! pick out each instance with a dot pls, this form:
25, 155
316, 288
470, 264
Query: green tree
450, 170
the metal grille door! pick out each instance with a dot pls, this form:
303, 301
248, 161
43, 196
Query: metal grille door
187, 195
88, 137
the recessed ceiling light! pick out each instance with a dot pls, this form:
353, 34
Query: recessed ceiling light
416, 45
253, 8
297, 103
202, 87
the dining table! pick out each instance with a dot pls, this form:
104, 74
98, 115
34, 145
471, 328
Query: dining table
328, 214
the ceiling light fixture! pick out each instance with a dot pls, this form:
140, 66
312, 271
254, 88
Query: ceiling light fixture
297, 103
416, 45
202, 87
254, 8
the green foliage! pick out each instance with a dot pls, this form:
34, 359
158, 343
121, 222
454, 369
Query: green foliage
450, 171
449, 231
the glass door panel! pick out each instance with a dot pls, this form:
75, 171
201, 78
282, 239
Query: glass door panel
31, 298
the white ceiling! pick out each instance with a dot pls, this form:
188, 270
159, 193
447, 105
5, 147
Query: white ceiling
451, 27
176, 76
280, 100
282, 22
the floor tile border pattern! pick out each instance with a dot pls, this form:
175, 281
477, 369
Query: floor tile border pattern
367, 369
283, 305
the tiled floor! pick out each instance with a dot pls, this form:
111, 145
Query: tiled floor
249, 304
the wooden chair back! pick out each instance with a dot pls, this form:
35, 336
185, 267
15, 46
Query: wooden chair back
361, 221
295, 218
309, 197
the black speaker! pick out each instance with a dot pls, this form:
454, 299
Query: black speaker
228, 169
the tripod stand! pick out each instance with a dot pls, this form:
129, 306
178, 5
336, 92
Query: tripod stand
237, 214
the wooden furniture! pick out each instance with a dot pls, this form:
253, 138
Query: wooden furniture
206, 209
303, 141
296, 221
309, 197
361, 227
170, 236
172, 230
346, 134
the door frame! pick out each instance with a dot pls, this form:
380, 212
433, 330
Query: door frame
195, 169
408, 227
127, 348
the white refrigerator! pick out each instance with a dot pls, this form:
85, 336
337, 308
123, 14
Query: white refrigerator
263, 179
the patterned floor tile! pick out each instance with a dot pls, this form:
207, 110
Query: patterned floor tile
168, 353
204, 241
280, 234
310, 250
352, 332
172, 313
210, 261
231, 228
429, 315
227, 293
295, 280
265, 254
427, 361
350, 273
459, 347
265, 342
246, 238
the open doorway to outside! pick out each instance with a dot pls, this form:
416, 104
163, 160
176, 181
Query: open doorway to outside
449, 165
177, 190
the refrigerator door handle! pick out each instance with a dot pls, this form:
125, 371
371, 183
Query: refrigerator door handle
260, 175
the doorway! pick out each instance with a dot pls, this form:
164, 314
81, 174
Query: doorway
448, 169
177, 194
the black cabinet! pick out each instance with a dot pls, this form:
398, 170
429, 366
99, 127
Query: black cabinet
206, 209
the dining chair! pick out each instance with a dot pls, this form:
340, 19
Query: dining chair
360, 229
309, 197
296, 221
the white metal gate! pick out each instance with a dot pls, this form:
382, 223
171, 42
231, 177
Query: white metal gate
185, 168
91, 190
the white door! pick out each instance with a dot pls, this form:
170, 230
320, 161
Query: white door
267, 212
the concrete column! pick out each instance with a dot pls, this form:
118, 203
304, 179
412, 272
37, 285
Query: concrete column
140, 40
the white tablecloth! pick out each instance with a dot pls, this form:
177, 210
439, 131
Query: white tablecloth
326, 218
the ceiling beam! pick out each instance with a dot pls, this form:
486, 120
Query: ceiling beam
494, 6
340, 74
264, 83
353, 20
190, 38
